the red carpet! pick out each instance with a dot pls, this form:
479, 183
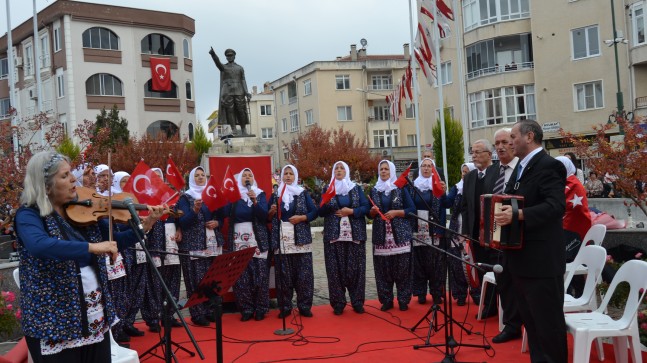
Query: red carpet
371, 337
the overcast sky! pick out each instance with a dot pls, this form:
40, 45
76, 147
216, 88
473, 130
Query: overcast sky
271, 37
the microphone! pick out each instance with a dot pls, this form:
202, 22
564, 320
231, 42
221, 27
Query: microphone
248, 184
128, 202
496, 268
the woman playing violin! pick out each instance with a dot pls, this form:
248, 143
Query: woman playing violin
67, 308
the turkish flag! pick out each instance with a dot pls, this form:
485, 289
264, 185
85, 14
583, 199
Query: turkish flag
173, 175
577, 217
330, 192
211, 195
230, 189
402, 180
148, 187
436, 186
160, 74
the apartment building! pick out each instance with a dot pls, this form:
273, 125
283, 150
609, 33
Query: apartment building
93, 56
543, 60
351, 92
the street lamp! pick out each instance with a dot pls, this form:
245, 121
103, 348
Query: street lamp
620, 113
388, 120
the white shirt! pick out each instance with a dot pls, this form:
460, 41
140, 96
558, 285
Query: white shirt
510, 168
527, 159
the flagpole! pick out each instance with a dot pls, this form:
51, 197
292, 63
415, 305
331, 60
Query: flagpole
461, 81
416, 109
439, 80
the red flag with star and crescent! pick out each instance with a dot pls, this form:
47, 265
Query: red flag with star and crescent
148, 187
173, 175
577, 217
212, 196
160, 74
230, 187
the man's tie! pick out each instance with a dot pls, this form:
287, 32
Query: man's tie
498, 186
481, 175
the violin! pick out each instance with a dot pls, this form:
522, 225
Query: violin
90, 206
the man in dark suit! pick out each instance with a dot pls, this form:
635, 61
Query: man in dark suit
477, 182
537, 269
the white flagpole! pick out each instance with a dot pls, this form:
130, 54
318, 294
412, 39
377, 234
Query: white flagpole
461, 80
439, 80
12, 81
416, 109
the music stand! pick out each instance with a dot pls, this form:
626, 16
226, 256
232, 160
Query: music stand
223, 274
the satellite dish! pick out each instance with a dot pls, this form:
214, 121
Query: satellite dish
363, 42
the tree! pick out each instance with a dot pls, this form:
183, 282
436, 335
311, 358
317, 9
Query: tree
626, 159
115, 127
201, 144
315, 151
454, 145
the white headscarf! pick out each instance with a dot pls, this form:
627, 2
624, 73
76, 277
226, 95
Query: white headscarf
342, 187
422, 183
243, 189
78, 173
116, 182
291, 190
570, 167
195, 190
459, 185
386, 186
100, 168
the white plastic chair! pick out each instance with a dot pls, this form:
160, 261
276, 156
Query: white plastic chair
587, 326
594, 257
489, 278
119, 353
595, 235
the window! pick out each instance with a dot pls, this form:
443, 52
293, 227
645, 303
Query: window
266, 110
588, 96
157, 44
449, 109
4, 68
342, 82
103, 84
385, 138
5, 105
381, 113
185, 48
482, 12
410, 111
44, 50
445, 73
307, 87
294, 121
502, 105
310, 118
267, 132
504, 53
586, 42
381, 82
282, 97
57, 36
191, 132
284, 125
189, 95
344, 113
148, 91
28, 55
412, 140
292, 92
637, 14
60, 83
100, 38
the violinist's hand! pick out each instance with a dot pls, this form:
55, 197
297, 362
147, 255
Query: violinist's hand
344, 212
197, 204
211, 224
154, 214
105, 247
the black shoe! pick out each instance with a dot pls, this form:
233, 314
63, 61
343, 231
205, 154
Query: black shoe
338, 310
284, 313
404, 306
460, 302
422, 299
201, 321
176, 323
387, 306
305, 312
359, 309
133, 332
259, 316
154, 328
246, 316
505, 336
210, 318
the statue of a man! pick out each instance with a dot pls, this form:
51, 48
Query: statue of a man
233, 92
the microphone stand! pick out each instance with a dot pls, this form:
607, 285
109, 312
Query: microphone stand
166, 341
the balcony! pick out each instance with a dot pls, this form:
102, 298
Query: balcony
500, 69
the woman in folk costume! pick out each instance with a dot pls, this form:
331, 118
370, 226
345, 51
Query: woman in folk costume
428, 268
247, 228
104, 179
200, 237
294, 258
391, 238
459, 283
577, 219
344, 237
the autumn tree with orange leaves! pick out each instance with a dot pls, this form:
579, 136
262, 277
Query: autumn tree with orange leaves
315, 151
626, 159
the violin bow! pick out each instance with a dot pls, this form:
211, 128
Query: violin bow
110, 196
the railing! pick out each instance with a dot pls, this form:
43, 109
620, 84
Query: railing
641, 102
513, 67
292, 100
380, 88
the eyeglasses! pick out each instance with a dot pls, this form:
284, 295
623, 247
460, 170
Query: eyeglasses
478, 152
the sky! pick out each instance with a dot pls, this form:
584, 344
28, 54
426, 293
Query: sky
271, 37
